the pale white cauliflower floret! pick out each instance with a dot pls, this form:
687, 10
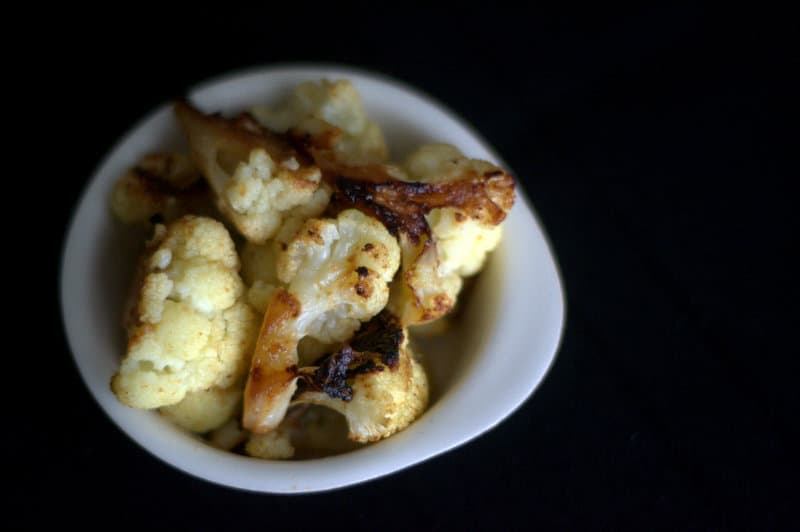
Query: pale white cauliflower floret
205, 410
333, 115
273, 445
255, 176
463, 244
433, 275
339, 270
265, 193
307, 431
191, 330
462, 241
426, 291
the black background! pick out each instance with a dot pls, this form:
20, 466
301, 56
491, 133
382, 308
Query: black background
654, 145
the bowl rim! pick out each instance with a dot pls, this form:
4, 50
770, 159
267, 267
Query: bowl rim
336, 69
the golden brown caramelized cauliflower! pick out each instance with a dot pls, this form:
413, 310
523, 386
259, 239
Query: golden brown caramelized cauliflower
373, 380
336, 273
307, 431
435, 218
342, 252
205, 410
191, 329
463, 234
162, 185
463, 241
328, 115
257, 176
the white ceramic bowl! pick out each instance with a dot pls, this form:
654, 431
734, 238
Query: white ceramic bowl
479, 375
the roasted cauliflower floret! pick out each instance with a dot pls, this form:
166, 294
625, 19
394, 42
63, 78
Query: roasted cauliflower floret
339, 270
259, 260
374, 381
336, 273
463, 199
307, 431
228, 436
298, 215
425, 291
383, 402
261, 193
191, 330
273, 445
329, 115
460, 236
205, 410
257, 177
163, 185
463, 241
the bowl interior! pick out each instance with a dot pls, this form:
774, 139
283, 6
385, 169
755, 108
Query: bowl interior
480, 372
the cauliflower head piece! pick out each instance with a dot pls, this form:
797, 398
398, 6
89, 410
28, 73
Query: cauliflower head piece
336, 274
259, 260
205, 410
460, 237
161, 185
273, 445
190, 329
257, 177
328, 115
445, 213
373, 380
339, 270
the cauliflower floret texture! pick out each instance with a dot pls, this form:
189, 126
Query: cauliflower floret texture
258, 260
445, 212
191, 330
336, 273
463, 241
257, 177
306, 354
273, 445
383, 402
339, 270
164, 185
463, 235
329, 115
373, 380
205, 410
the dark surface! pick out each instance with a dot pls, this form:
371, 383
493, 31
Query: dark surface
653, 146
